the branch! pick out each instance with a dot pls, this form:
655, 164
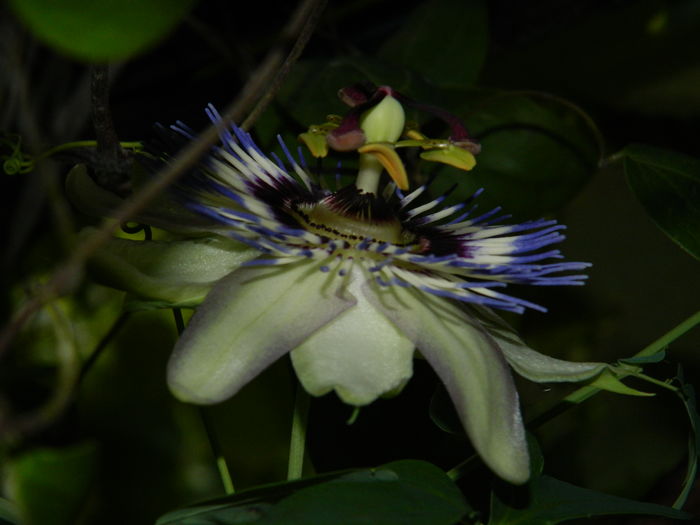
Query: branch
111, 164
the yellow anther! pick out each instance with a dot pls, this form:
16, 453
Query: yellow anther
452, 155
315, 140
389, 159
414, 134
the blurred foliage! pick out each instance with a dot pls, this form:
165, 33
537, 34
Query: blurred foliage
43, 492
101, 31
539, 84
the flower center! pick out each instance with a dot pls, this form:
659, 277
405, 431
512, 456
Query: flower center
353, 216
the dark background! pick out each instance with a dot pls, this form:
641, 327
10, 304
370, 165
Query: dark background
633, 66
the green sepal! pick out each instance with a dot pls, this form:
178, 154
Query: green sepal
133, 303
167, 273
607, 380
162, 212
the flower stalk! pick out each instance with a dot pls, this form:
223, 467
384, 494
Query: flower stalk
221, 465
297, 442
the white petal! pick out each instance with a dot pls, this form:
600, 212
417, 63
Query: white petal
174, 272
476, 375
360, 354
532, 365
249, 320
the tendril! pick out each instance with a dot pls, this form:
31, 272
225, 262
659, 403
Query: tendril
134, 228
18, 161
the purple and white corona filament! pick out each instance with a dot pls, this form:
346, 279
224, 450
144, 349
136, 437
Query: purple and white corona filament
442, 250
351, 283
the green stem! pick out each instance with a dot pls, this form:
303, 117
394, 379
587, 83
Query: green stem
97, 352
25, 162
580, 395
297, 442
459, 470
666, 339
691, 474
655, 381
353, 417
82, 144
662, 342
221, 465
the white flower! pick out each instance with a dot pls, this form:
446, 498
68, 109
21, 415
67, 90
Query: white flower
351, 283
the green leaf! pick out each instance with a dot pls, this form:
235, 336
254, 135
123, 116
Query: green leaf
443, 40
668, 186
101, 31
553, 501
51, 485
244, 503
402, 493
537, 152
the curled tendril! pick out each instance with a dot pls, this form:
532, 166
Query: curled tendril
12, 166
16, 161
134, 228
